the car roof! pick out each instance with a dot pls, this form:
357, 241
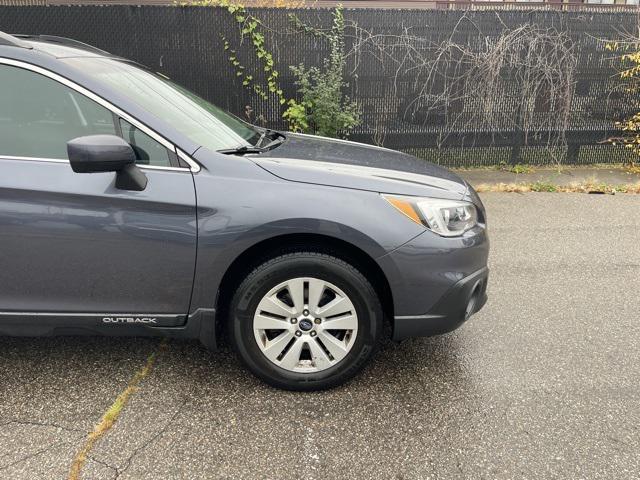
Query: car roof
12, 41
58, 47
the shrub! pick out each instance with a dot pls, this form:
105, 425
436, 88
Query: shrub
323, 108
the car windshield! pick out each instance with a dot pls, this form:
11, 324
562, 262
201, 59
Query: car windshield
201, 121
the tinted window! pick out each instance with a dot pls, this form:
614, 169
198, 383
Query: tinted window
204, 123
38, 115
148, 151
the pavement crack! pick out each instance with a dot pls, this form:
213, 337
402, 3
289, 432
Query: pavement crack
105, 464
31, 455
110, 417
617, 440
41, 424
149, 442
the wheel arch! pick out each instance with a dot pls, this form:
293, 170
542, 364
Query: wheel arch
266, 249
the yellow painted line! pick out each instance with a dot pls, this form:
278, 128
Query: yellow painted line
113, 412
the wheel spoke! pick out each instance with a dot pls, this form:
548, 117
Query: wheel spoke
303, 342
275, 306
262, 322
275, 347
335, 307
291, 359
336, 347
318, 355
345, 322
316, 288
296, 290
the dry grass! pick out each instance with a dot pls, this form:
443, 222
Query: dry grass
632, 168
276, 3
581, 187
518, 168
250, 3
247, 3
111, 415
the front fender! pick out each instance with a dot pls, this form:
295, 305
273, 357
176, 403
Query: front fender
236, 213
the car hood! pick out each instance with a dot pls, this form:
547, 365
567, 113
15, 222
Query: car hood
340, 163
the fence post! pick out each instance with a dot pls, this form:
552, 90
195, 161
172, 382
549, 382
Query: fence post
517, 138
572, 153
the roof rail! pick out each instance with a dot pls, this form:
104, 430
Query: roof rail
11, 41
69, 42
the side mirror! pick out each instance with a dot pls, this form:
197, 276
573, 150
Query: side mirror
106, 153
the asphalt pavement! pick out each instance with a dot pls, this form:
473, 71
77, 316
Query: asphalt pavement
543, 383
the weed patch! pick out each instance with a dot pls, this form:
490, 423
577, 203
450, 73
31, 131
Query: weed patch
584, 187
110, 417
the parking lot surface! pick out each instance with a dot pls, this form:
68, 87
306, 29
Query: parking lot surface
543, 383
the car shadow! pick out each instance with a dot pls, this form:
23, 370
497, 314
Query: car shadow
79, 361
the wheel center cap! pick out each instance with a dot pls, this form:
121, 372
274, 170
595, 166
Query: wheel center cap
305, 324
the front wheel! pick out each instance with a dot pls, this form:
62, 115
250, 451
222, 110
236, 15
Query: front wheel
305, 321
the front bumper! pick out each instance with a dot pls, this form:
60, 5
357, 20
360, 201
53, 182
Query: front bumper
432, 280
461, 301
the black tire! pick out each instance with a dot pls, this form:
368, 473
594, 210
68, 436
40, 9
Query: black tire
305, 264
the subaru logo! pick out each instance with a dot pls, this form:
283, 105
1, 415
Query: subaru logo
305, 325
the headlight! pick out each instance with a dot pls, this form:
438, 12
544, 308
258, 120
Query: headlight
449, 218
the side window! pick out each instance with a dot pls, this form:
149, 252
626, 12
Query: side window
148, 151
38, 115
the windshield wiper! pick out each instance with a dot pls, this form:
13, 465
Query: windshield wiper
272, 134
274, 143
241, 150
266, 132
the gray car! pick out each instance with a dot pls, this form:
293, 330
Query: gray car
130, 206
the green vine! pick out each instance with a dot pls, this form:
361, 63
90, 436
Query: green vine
322, 109
250, 27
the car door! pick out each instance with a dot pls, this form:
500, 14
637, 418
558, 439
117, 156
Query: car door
74, 244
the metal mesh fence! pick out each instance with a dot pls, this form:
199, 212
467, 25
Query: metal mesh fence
393, 55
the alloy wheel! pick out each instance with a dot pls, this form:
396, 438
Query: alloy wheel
305, 325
